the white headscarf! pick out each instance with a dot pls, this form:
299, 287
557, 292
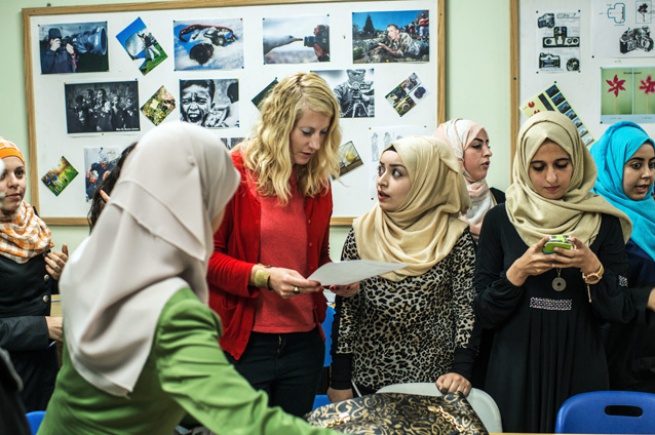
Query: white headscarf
153, 238
459, 133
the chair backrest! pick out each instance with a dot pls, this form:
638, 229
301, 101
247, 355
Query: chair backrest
34, 418
607, 412
483, 404
327, 330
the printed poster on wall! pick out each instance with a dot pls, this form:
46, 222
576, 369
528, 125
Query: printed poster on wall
625, 95
558, 41
622, 29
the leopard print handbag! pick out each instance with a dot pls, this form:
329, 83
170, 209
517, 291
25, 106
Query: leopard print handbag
400, 414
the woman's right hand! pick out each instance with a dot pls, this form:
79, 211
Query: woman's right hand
339, 395
533, 262
54, 327
288, 283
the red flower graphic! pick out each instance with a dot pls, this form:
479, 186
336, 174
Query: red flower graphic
616, 85
648, 85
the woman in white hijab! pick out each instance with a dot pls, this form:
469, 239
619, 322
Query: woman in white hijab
470, 142
547, 309
141, 345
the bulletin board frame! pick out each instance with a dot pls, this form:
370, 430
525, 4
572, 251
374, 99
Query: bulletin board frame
56, 143
581, 78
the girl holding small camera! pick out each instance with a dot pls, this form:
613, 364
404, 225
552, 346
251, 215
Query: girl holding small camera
547, 309
625, 157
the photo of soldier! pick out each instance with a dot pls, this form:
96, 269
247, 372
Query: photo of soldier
354, 89
391, 36
73, 48
101, 107
210, 103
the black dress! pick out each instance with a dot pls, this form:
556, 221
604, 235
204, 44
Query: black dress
547, 344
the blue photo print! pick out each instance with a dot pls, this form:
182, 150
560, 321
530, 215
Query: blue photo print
208, 44
142, 46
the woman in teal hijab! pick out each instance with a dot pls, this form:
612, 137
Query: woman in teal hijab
625, 157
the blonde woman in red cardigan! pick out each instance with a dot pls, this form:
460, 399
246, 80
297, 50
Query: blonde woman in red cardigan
276, 233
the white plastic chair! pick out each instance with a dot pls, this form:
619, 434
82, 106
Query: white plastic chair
483, 404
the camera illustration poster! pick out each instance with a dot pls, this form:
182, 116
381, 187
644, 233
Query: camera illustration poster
73, 48
626, 95
208, 44
296, 39
622, 29
391, 36
558, 41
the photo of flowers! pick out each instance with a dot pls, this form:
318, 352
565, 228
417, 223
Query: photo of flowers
625, 94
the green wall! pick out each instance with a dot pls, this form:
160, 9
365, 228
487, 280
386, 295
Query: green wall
477, 83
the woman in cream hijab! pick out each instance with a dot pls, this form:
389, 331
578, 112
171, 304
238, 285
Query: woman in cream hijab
141, 345
470, 142
414, 324
547, 309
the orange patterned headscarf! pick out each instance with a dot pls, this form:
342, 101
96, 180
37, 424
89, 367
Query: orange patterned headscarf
23, 235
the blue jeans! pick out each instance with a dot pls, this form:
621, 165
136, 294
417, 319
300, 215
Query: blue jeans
286, 366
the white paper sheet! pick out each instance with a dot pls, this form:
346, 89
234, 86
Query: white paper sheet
348, 272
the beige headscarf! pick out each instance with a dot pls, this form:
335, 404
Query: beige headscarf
426, 227
458, 133
153, 238
578, 212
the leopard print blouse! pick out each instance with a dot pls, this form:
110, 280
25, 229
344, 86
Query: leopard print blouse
407, 331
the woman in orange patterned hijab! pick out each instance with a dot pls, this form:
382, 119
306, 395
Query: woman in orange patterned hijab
29, 272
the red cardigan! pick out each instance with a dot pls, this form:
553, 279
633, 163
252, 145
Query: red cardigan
236, 251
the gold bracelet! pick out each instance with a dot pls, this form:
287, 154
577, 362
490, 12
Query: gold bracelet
263, 277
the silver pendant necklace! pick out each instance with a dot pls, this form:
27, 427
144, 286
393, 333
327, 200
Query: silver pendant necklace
559, 283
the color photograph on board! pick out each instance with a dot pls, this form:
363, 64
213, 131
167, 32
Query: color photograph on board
141, 46
296, 39
208, 44
73, 48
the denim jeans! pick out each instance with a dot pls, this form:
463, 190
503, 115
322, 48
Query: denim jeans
286, 366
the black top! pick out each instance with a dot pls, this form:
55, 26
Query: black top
547, 344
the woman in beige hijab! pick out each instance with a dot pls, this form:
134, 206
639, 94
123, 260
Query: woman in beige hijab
141, 343
414, 324
547, 309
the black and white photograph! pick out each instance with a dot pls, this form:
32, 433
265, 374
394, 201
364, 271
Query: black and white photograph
208, 44
73, 48
354, 89
212, 103
102, 107
391, 36
296, 39
231, 142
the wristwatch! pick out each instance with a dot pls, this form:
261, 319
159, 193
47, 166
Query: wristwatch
594, 277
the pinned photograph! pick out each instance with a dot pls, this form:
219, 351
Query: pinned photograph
159, 106
102, 107
407, 94
354, 89
308, 42
231, 142
391, 36
141, 45
98, 163
626, 94
59, 177
257, 99
212, 103
73, 48
208, 44
349, 158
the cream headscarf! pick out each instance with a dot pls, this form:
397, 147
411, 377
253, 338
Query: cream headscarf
153, 238
578, 212
426, 227
458, 133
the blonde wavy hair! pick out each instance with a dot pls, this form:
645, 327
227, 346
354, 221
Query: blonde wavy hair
268, 154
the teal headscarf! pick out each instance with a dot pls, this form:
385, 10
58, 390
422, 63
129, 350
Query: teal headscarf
611, 152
